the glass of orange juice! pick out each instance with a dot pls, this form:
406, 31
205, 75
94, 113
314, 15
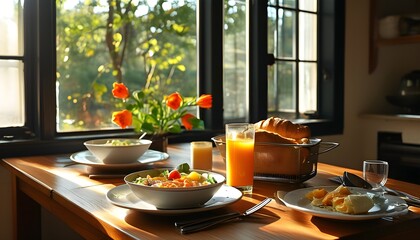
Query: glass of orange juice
240, 138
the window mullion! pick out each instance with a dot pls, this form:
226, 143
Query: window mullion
210, 59
297, 60
257, 64
47, 65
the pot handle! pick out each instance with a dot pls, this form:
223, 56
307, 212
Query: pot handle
327, 146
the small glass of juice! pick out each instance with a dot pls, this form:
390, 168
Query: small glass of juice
202, 155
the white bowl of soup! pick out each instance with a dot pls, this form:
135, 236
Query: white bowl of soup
118, 150
192, 190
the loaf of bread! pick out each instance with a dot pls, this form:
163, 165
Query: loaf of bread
278, 130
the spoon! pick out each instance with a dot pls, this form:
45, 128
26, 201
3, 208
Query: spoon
144, 134
352, 180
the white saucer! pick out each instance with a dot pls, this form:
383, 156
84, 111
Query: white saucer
87, 158
122, 196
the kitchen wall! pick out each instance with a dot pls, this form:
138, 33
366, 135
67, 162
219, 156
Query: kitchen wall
364, 93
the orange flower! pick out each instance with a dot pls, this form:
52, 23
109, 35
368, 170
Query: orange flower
186, 121
205, 101
174, 100
120, 90
122, 118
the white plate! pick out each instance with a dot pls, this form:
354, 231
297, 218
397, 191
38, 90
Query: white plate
296, 200
122, 196
87, 158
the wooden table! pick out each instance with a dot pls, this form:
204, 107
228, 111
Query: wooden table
67, 191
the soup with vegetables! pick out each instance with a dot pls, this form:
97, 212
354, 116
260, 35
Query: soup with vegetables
181, 177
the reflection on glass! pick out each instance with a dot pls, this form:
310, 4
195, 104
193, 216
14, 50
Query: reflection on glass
11, 28
12, 108
282, 87
286, 34
235, 90
271, 29
307, 87
308, 5
307, 37
284, 3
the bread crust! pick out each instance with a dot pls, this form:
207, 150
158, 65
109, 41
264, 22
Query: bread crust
281, 130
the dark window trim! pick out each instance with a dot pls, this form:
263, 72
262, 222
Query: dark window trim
331, 68
258, 61
210, 60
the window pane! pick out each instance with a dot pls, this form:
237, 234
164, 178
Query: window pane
11, 111
235, 93
282, 87
271, 29
307, 87
147, 45
308, 5
307, 36
284, 3
11, 21
286, 28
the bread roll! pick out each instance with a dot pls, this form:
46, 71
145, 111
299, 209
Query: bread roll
280, 130
262, 136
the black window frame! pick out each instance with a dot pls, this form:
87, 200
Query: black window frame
39, 136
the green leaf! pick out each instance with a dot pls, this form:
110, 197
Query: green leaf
175, 128
197, 124
148, 127
183, 168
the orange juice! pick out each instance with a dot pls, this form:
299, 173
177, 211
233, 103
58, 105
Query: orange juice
239, 162
202, 155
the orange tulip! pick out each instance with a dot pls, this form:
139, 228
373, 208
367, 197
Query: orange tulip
174, 100
186, 121
120, 90
122, 118
205, 101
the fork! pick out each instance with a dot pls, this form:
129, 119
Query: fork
200, 224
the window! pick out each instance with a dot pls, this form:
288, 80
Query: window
150, 44
305, 83
292, 37
12, 110
235, 86
67, 62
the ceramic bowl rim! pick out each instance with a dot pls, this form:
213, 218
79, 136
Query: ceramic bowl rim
135, 142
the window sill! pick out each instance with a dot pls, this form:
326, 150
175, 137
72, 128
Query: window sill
394, 117
73, 143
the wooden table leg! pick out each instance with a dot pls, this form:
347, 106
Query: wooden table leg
26, 214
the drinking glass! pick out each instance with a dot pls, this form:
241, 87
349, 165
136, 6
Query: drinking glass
202, 155
240, 138
375, 172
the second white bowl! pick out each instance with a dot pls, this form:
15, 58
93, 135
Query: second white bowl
118, 150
